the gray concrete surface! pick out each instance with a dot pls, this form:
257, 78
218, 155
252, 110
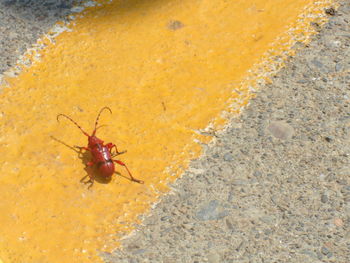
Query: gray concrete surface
275, 187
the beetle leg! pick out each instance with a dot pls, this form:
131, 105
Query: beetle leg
90, 181
110, 146
90, 175
118, 153
132, 178
80, 152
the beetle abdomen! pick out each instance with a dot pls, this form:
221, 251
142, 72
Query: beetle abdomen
106, 168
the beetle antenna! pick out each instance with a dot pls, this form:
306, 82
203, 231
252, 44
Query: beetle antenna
98, 117
59, 115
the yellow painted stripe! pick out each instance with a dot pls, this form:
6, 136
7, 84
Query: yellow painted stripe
166, 69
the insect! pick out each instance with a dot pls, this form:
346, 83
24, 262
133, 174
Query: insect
101, 153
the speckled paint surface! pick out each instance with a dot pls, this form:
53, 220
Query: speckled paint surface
167, 69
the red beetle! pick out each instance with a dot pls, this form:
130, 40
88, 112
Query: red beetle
101, 153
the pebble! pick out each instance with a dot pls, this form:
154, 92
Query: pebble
229, 224
281, 130
268, 219
324, 198
336, 43
210, 211
139, 251
324, 250
303, 81
228, 157
196, 170
330, 11
164, 218
328, 139
338, 67
317, 63
77, 9
257, 174
345, 189
338, 222
240, 182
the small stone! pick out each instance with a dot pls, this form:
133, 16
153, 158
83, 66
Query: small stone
302, 81
281, 130
338, 222
324, 198
330, 11
77, 9
139, 251
322, 176
345, 189
309, 253
228, 157
210, 211
229, 224
196, 170
316, 26
336, 43
267, 232
317, 63
164, 218
89, 3
268, 219
230, 196
257, 174
324, 250
239, 182
175, 25
338, 67
328, 139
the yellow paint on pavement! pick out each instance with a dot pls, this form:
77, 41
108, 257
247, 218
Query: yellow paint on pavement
167, 69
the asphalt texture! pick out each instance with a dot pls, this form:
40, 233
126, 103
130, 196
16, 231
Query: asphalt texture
274, 186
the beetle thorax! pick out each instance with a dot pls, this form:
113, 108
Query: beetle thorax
93, 140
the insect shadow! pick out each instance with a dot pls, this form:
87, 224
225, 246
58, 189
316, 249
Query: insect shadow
91, 171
